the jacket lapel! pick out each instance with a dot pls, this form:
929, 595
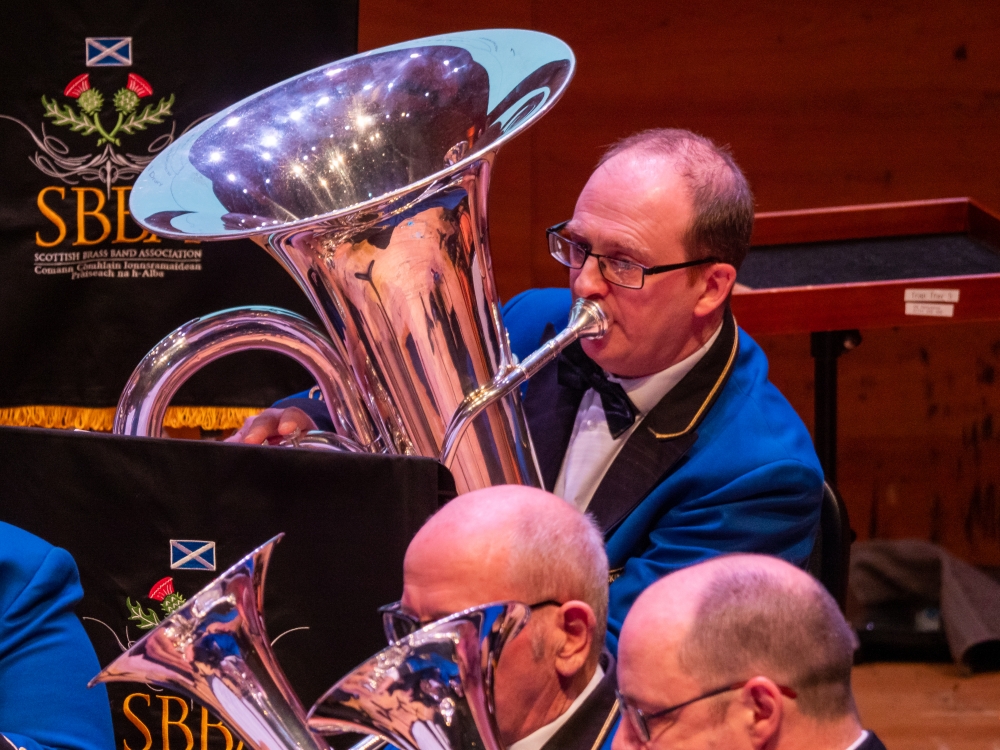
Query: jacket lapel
634, 472
871, 743
592, 722
551, 412
665, 434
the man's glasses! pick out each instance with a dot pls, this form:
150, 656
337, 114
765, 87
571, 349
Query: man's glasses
398, 623
639, 719
619, 272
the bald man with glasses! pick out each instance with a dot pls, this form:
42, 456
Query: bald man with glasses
555, 684
743, 652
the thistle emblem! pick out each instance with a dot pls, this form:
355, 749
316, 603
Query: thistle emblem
107, 164
87, 120
162, 592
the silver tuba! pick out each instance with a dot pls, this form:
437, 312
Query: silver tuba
432, 690
367, 180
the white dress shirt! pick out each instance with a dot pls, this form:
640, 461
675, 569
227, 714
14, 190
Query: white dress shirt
859, 741
591, 448
540, 736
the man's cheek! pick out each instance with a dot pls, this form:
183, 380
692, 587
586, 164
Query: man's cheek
505, 700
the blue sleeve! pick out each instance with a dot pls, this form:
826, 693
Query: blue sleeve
528, 314
773, 510
312, 403
46, 658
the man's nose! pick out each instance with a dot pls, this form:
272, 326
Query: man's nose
589, 282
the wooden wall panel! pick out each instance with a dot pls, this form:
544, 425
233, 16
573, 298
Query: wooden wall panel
919, 421
825, 103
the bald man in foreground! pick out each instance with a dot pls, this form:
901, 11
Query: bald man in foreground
741, 652
555, 685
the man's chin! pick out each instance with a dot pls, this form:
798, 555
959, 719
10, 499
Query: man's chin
610, 359
597, 350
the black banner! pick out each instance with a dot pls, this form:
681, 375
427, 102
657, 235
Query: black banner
90, 93
151, 522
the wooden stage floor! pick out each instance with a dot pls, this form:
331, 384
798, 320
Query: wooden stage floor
929, 706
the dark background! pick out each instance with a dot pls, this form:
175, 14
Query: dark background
75, 343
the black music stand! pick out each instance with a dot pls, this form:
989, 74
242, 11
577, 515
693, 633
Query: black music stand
134, 511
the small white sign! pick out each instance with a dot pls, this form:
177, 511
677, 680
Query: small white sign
931, 295
931, 309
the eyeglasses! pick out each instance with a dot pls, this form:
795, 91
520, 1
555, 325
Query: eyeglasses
639, 719
619, 272
398, 623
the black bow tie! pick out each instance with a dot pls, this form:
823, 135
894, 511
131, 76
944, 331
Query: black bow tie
578, 371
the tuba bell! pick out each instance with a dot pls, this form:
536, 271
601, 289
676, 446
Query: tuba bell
432, 690
367, 180
215, 650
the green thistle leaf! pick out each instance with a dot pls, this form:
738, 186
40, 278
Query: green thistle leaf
171, 603
68, 117
149, 116
146, 619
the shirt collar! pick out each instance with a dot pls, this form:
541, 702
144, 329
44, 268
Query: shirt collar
537, 739
648, 391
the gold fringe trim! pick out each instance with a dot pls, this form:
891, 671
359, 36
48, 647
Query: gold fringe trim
209, 417
102, 420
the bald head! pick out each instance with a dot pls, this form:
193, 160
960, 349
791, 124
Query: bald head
508, 543
722, 203
739, 616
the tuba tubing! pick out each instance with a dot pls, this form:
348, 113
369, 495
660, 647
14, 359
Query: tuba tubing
182, 353
156, 379
587, 320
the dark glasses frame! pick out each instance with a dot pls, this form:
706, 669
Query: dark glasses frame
397, 624
554, 236
639, 719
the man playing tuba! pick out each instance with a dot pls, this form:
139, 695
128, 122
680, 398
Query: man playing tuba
667, 429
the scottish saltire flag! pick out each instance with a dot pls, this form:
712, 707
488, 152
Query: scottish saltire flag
109, 50
192, 554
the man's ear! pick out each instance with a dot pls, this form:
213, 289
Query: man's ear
718, 280
763, 699
577, 623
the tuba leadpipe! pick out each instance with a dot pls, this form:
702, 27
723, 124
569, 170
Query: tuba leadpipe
586, 320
